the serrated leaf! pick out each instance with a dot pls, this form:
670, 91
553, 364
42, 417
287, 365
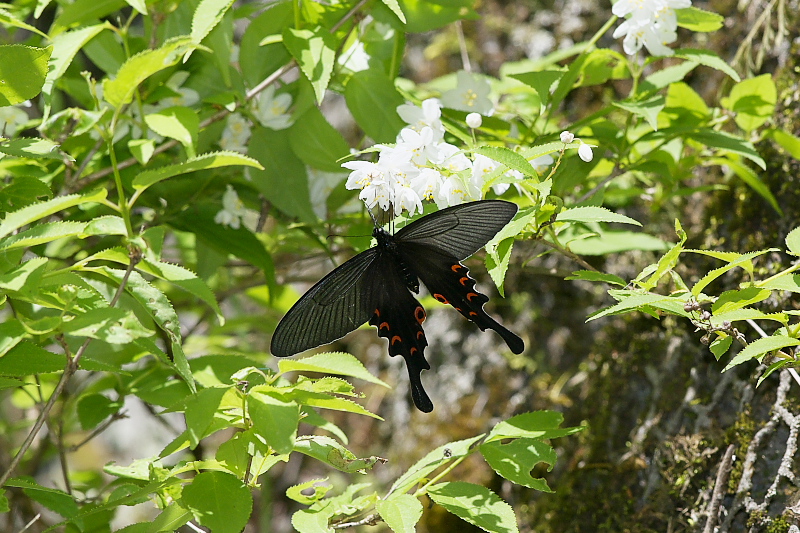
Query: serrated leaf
179, 123
720, 345
112, 325
476, 505
760, 347
633, 301
206, 16
590, 275
25, 278
509, 158
338, 363
593, 214
22, 72
42, 233
219, 501
665, 264
201, 410
743, 261
186, 280
313, 520
106, 225
16, 219
326, 401
747, 314
9, 20
610, 242
789, 142
532, 425
432, 461
542, 81
11, 333
401, 512
54, 499
329, 451
699, 20
707, 58
66, 45
666, 76
32, 148
137, 69
316, 142
314, 51
201, 162
295, 492
777, 365
515, 460
26, 359
497, 260
648, 109
731, 143
275, 420
736, 299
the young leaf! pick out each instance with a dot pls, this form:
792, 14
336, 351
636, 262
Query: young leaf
648, 108
744, 261
179, 123
329, 451
515, 460
295, 492
720, 345
401, 512
206, 16
731, 143
793, 241
22, 72
42, 233
736, 299
138, 68
32, 148
695, 19
542, 81
433, 460
314, 50
509, 158
219, 501
110, 324
26, 359
593, 214
760, 347
313, 520
275, 420
339, 363
789, 142
55, 500
707, 58
395, 7
497, 259
533, 425
752, 101
590, 275
476, 505
33, 212
205, 161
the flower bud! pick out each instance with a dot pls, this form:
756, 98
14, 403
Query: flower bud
585, 152
474, 120
567, 137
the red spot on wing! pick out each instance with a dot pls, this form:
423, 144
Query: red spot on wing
413, 350
464, 280
419, 314
420, 333
456, 267
396, 338
471, 295
440, 298
473, 313
384, 325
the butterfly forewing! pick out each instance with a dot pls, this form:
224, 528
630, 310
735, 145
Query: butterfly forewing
460, 230
335, 306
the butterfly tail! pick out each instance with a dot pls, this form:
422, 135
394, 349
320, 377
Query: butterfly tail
515, 344
415, 367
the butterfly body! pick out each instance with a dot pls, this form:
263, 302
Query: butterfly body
378, 286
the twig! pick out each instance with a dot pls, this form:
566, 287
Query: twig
720, 488
32, 521
370, 520
69, 370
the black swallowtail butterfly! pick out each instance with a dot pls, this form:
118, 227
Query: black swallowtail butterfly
377, 285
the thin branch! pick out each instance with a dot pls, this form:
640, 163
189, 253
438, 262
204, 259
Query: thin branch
99, 429
70, 368
720, 488
370, 520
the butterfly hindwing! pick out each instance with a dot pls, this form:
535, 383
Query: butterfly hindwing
398, 316
449, 282
335, 306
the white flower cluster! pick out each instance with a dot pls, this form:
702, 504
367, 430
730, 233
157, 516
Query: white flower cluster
651, 23
271, 110
422, 166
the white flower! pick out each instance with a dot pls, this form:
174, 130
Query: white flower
373, 182
417, 147
474, 120
451, 158
542, 163
567, 137
232, 210
11, 118
482, 166
272, 111
454, 191
406, 198
427, 183
429, 114
651, 23
236, 134
585, 152
355, 58
471, 94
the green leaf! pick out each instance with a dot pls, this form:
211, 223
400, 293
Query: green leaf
137, 69
760, 347
602, 65
665, 264
532, 425
707, 58
752, 101
476, 505
275, 420
747, 313
206, 16
634, 301
42, 233
11, 333
66, 46
373, 100
647, 109
25, 278
542, 81
32, 148
610, 242
590, 275
497, 259
401, 512
94, 408
295, 492
666, 76
793, 241
179, 123
744, 261
788, 142
26, 358
747, 175
327, 401
22, 72
736, 299
110, 324
317, 143
186, 280
218, 501
731, 143
424, 15
434, 459
338, 363
202, 162
200, 411
695, 19
21, 192
39, 210
783, 282
313, 520
515, 460
593, 214
55, 500
314, 51
720, 345
9, 20
329, 451
509, 158
395, 7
